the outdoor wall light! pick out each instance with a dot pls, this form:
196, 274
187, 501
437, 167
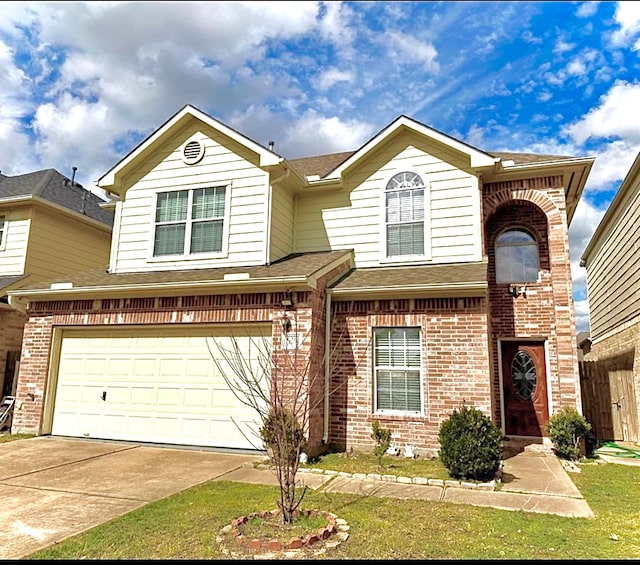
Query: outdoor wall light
285, 323
287, 301
516, 290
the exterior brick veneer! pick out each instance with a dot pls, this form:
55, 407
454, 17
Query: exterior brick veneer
547, 310
307, 317
455, 366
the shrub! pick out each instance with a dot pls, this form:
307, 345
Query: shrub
566, 430
382, 437
470, 445
283, 434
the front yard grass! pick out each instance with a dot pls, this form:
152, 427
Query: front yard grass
184, 526
360, 462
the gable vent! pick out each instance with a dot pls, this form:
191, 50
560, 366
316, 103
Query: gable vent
192, 152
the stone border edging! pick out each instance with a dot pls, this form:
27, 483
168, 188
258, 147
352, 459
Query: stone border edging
489, 486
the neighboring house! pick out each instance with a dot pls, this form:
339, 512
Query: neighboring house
613, 285
50, 226
412, 275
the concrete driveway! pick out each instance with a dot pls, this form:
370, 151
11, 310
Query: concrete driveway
53, 488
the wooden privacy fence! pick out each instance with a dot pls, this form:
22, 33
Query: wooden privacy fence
609, 397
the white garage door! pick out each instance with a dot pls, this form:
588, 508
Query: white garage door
156, 385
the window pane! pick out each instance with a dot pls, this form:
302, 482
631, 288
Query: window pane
169, 240
206, 237
516, 258
172, 206
405, 239
2, 229
397, 361
208, 203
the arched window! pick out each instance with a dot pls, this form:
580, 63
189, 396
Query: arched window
404, 215
516, 257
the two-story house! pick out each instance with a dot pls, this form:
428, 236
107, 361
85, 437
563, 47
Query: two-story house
50, 226
405, 278
611, 379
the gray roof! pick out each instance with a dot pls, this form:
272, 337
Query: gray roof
295, 265
406, 278
9, 280
50, 185
322, 165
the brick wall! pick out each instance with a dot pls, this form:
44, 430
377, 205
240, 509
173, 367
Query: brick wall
547, 310
297, 373
455, 367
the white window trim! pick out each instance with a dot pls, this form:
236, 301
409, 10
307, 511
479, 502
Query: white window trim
223, 253
377, 412
426, 256
3, 232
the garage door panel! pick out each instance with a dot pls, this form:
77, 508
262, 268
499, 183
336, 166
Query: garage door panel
160, 388
142, 398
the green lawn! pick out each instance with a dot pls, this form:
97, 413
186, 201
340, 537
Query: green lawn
185, 526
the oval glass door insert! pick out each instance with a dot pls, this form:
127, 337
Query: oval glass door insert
523, 375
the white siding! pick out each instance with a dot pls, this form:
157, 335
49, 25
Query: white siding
282, 211
613, 274
60, 246
13, 251
351, 218
224, 163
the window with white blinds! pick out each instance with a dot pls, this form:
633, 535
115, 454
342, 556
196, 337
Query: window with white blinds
189, 221
398, 381
405, 215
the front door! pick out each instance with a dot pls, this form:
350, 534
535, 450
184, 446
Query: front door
524, 382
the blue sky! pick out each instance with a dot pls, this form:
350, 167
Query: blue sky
82, 83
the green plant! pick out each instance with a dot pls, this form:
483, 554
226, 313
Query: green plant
382, 437
567, 430
470, 445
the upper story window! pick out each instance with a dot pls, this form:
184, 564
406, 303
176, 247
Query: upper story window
190, 221
516, 257
3, 230
404, 215
398, 384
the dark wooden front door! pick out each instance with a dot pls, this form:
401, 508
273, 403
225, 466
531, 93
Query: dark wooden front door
524, 381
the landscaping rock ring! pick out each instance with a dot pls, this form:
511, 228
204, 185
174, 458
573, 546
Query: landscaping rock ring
235, 544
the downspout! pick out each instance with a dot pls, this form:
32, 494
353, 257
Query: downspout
327, 366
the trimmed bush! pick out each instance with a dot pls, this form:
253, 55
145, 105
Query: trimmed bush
567, 430
470, 445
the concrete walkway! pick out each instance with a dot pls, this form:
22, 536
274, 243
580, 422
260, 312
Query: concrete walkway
53, 488
532, 481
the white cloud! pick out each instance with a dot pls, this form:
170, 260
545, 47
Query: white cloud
611, 117
330, 77
581, 309
612, 163
587, 9
409, 49
314, 134
628, 17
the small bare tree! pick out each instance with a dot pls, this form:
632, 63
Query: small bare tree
279, 385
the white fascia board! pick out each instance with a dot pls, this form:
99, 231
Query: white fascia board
156, 289
267, 158
477, 158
